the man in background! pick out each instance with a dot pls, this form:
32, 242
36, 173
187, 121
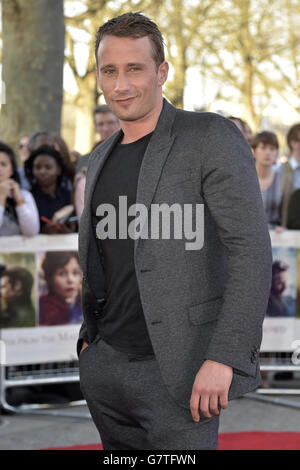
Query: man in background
106, 124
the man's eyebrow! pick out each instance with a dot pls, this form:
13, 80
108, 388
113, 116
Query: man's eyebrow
130, 64
106, 66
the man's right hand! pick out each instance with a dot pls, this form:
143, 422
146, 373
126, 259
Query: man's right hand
84, 345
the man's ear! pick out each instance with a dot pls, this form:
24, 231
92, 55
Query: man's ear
163, 71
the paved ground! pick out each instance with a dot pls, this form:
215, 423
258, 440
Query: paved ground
72, 425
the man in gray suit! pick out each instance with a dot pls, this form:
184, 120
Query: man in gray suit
172, 329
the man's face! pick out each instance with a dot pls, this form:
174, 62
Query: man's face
106, 124
127, 75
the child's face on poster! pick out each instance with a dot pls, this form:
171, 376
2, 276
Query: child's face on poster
66, 281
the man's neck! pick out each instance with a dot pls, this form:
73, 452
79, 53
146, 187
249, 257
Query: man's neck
135, 130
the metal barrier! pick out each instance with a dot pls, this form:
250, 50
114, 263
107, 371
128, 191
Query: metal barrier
279, 362
68, 372
37, 374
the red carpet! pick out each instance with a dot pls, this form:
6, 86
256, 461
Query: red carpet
259, 440
254, 440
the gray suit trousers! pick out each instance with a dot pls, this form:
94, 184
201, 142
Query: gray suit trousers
131, 406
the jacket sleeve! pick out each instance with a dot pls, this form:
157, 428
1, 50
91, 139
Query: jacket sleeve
233, 198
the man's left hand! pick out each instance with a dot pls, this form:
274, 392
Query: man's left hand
210, 388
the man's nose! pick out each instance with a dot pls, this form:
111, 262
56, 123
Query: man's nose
122, 83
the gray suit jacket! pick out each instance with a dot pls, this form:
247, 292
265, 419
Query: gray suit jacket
204, 304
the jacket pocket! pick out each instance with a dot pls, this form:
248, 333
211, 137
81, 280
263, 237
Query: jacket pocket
96, 339
173, 179
206, 311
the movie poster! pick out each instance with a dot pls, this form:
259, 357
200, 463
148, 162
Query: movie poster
282, 300
18, 296
40, 299
60, 280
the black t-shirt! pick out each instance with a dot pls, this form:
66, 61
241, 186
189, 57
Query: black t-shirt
122, 323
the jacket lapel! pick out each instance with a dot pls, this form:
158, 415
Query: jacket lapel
97, 165
155, 157
86, 237
151, 168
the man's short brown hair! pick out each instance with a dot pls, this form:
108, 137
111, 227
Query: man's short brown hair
265, 138
293, 134
133, 25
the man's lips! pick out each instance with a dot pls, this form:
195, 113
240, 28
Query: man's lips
124, 100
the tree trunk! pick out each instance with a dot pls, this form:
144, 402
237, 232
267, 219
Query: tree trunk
33, 59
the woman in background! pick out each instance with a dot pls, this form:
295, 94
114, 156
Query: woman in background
62, 304
45, 170
18, 211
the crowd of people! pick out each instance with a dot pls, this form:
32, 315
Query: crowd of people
279, 182
45, 193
